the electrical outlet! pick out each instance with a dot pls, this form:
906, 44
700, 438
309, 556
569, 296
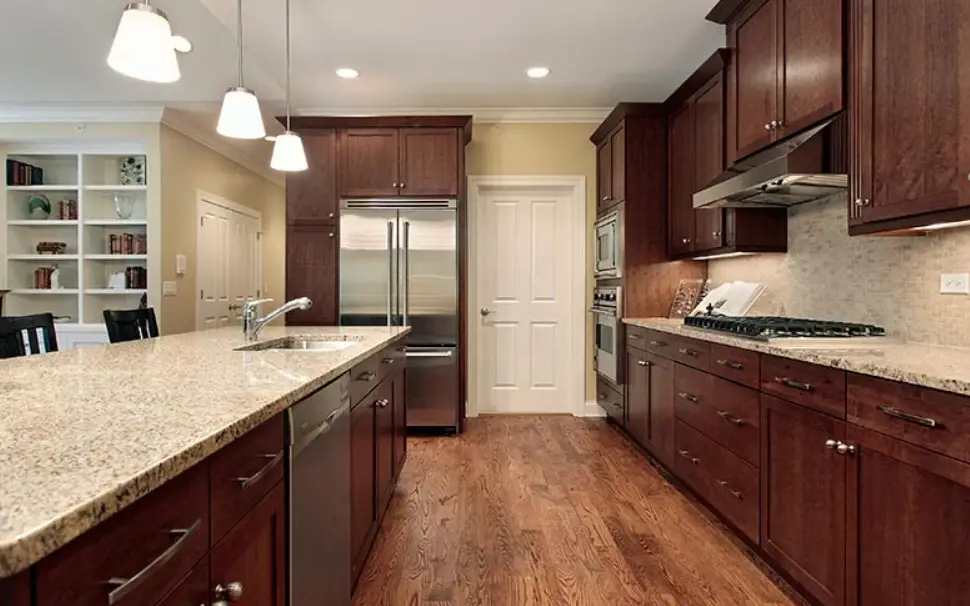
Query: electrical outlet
955, 284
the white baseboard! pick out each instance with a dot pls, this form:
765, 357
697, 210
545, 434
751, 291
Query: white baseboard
592, 409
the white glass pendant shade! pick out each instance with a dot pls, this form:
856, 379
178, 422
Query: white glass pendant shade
240, 117
143, 47
288, 154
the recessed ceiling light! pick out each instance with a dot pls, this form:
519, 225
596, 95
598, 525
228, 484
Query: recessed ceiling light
348, 73
182, 44
537, 72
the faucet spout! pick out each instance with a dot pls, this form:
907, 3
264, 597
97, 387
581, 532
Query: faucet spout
253, 325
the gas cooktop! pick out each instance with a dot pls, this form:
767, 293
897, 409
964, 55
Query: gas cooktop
765, 328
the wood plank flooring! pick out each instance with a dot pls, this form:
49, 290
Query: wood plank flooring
549, 510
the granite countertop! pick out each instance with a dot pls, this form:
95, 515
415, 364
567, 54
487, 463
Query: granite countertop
86, 432
943, 368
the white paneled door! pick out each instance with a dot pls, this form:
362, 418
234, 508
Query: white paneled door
525, 285
229, 262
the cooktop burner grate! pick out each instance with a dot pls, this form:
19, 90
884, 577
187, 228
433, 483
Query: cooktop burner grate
769, 327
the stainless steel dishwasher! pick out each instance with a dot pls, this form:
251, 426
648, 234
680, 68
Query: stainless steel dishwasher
318, 468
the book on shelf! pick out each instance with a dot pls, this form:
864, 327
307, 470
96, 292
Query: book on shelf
21, 173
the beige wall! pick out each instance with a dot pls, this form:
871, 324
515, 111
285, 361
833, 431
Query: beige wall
188, 166
889, 281
542, 149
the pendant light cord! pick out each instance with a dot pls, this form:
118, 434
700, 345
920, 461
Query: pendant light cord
287, 65
239, 39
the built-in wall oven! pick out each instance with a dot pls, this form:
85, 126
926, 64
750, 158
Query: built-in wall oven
609, 244
608, 340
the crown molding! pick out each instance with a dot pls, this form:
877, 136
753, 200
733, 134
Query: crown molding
506, 115
207, 136
81, 113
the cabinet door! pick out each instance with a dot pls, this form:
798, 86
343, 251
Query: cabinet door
400, 420
253, 554
362, 502
708, 159
368, 162
15, 591
191, 590
604, 174
311, 195
910, 106
311, 271
814, 52
757, 55
384, 445
803, 497
909, 514
681, 182
618, 164
429, 162
662, 409
638, 395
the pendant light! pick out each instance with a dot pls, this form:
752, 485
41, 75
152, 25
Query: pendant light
240, 117
143, 47
288, 153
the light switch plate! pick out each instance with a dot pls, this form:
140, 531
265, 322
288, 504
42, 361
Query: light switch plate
955, 284
180, 264
169, 289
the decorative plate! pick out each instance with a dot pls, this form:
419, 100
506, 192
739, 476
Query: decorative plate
39, 207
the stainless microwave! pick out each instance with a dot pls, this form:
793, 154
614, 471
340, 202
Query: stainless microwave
609, 244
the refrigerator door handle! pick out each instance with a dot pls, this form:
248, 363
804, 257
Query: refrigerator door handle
390, 270
406, 270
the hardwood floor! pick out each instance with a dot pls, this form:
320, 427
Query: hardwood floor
549, 510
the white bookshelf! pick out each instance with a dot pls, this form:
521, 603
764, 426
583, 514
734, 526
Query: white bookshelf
93, 179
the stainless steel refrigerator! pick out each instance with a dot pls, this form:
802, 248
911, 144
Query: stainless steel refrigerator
399, 267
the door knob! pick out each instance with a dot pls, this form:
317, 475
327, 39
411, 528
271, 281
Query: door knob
767, 126
843, 448
831, 444
486, 312
230, 592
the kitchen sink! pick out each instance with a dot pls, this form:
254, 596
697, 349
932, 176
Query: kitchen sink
303, 344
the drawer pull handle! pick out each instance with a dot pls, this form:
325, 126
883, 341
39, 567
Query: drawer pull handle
793, 384
366, 376
616, 405
735, 493
730, 418
658, 343
387, 360
730, 364
643, 363
689, 397
689, 352
274, 460
635, 336
126, 586
686, 454
909, 417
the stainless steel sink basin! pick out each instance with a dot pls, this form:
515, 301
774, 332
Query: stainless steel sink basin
301, 344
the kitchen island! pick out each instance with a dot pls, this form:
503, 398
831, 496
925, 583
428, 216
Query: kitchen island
86, 434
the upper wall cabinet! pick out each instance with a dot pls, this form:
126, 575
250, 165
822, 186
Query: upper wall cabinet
382, 162
909, 97
311, 195
787, 70
611, 169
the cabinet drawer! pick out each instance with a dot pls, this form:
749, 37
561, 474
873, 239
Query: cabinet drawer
727, 413
636, 336
739, 365
610, 400
686, 351
818, 387
932, 419
364, 377
148, 547
242, 473
390, 361
730, 485
192, 589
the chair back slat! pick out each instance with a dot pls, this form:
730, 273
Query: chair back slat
130, 324
27, 335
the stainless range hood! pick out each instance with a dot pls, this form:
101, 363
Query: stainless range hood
809, 166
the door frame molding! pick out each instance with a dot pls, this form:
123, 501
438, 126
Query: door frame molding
201, 198
576, 390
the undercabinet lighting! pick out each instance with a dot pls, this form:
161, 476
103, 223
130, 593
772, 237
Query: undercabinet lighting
348, 73
537, 72
939, 226
143, 46
724, 256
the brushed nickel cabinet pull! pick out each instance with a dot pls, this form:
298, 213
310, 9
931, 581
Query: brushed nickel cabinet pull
730, 418
689, 352
730, 364
735, 493
658, 343
794, 384
686, 454
643, 363
689, 397
387, 360
274, 460
366, 376
909, 417
126, 586
844, 448
635, 336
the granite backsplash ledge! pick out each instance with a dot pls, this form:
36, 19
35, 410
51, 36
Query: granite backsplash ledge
889, 281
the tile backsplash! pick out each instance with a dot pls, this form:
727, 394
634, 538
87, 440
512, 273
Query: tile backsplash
889, 281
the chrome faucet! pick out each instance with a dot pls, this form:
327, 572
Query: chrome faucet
252, 324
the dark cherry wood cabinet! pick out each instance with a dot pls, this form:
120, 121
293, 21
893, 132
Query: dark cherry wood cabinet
757, 55
384, 445
909, 524
311, 271
910, 109
363, 499
812, 75
369, 162
803, 497
253, 555
400, 412
638, 395
681, 182
604, 174
193, 589
428, 162
708, 151
661, 408
311, 195
611, 159
15, 591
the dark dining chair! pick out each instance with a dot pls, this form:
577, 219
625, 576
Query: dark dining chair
130, 324
27, 335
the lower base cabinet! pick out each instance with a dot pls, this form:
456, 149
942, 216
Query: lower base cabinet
363, 505
650, 403
193, 589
